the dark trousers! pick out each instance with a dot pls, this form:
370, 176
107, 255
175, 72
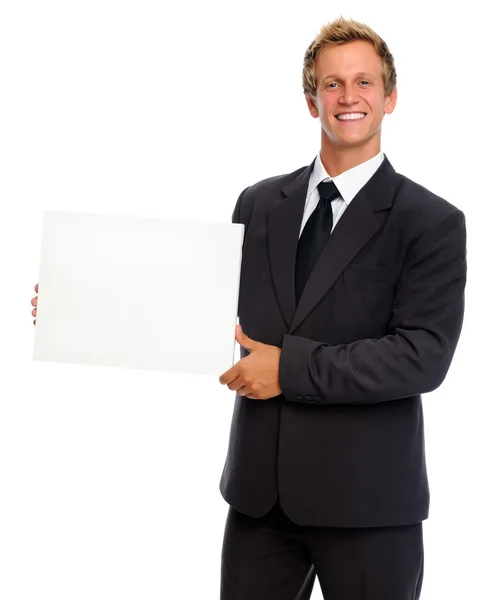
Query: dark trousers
272, 558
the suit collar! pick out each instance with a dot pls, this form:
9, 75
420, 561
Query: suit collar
380, 194
349, 182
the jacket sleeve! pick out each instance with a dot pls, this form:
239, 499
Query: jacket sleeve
424, 329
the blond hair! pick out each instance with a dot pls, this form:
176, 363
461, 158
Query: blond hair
343, 31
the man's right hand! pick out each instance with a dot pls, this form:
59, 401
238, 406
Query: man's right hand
34, 302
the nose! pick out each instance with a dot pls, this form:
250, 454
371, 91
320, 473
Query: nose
348, 95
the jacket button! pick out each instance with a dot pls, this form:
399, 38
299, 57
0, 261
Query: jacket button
309, 398
317, 398
299, 398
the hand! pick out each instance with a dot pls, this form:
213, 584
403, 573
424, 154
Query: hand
34, 302
257, 375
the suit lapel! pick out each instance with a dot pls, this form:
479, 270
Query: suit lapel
355, 228
284, 225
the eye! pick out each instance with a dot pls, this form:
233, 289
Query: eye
365, 82
330, 85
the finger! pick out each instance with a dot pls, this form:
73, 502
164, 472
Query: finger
247, 392
244, 340
229, 376
34, 321
36, 288
34, 310
236, 384
34, 301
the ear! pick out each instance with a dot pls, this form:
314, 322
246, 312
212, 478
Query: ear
390, 101
311, 102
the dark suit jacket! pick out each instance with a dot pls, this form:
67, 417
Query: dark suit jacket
376, 327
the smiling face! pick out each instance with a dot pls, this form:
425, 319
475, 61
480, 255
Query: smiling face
350, 98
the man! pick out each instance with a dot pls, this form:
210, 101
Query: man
351, 306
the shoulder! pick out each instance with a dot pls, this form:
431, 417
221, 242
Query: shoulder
261, 192
419, 214
264, 187
417, 204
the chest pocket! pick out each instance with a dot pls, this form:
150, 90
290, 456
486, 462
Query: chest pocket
362, 273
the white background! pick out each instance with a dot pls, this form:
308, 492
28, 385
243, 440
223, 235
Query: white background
109, 477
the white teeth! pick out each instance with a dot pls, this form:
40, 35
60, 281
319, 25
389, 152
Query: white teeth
350, 116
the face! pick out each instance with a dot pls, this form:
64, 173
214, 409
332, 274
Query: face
350, 99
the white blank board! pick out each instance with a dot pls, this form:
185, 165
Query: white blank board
138, 292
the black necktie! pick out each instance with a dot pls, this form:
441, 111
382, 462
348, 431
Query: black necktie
315, 234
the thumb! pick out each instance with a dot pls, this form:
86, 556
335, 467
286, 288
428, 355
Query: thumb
244, 340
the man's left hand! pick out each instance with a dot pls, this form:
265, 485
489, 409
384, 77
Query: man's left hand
257, 375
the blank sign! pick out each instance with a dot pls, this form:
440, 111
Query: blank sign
138, 292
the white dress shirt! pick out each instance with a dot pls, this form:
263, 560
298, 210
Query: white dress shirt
348, 183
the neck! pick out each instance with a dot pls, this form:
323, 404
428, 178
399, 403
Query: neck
337, 159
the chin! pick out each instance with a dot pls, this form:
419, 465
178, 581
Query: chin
350, 142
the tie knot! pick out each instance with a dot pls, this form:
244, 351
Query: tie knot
328, 191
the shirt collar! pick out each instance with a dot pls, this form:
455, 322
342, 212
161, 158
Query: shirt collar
349, 182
